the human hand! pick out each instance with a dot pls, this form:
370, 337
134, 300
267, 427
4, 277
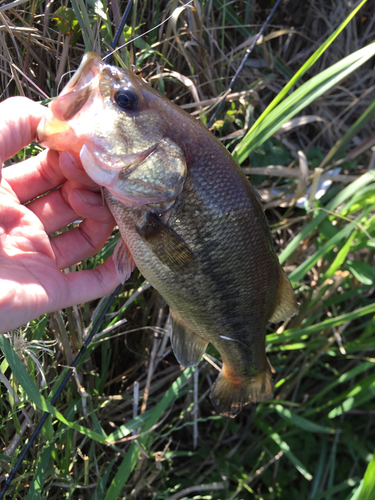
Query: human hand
31, 280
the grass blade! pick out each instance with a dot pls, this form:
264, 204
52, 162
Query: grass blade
301, 422
345, 194
299, 99
131, 458
35, 491
303, 333
285, 448
33, 393
344, 142
303, 269
360, 393
368, 488
308, 64
98, 495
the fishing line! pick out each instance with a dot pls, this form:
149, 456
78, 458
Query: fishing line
61, 387
147, 32
118, 33
240, 68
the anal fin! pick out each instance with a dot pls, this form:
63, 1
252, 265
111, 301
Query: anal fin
123, 260
286, 304
188, 347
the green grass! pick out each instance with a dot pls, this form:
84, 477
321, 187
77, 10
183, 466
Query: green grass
132, 423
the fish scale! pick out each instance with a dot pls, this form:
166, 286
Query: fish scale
215, 299
189, 220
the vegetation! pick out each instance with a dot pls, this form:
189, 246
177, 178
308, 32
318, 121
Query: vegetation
132, 423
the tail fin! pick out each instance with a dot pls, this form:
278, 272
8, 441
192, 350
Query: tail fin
230, 394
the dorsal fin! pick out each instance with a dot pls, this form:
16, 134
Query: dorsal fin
286, 304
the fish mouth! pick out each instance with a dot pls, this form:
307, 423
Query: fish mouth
77, 91
54, 131
89, 67
123, 166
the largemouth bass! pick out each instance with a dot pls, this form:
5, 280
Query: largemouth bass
189, 220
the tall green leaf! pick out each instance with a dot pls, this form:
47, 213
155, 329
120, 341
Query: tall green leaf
368, 488
308, 64
345, 194
35, 491
285, 448
299, 99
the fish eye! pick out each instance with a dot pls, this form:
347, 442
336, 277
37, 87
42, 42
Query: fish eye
126, 98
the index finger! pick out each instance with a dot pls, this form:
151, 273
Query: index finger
35, 176
19, 118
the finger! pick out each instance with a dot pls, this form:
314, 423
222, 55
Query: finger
53, 211
80, 242
63, 290
63, 206
88, 204
72, 168
19, 118
35, 176
84, 286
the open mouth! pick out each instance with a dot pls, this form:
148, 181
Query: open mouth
54, 131
123, 165
77, 91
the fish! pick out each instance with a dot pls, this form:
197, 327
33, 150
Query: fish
189, 220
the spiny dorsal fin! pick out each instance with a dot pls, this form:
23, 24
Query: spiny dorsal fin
166, 244
188, 347
286, 304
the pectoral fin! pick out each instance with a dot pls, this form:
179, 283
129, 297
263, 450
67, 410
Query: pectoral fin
188, 347
165, 243
123, 261
286, 305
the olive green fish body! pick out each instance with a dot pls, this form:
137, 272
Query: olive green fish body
231, 291
189, 220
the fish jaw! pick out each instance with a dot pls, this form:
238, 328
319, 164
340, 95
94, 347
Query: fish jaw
55, 130
77, 91
87, 111
54, 134
108, 177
